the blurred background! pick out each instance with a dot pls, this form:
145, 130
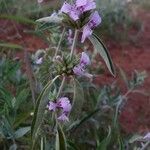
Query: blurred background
125, 30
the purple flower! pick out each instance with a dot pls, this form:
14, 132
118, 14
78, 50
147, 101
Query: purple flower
80, 6
52, 106
95, 20
147, 137
85, 60
79, 69
64, 103
63, 117
85, 5
71, 10
39, 61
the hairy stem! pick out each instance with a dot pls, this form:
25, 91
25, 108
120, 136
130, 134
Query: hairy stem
74, 43
61, 86
59, 43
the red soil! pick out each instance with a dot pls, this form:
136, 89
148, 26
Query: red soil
136, 114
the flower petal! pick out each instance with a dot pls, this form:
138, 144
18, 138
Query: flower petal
78, 70
95, 19
74, 15
63, 117
80, 3
64, 103
87, 31
85, 60
52, 106
66, 8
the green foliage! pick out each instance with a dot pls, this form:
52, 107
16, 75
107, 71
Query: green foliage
102, 50
117, 19
40, 109
60, 139
13, 97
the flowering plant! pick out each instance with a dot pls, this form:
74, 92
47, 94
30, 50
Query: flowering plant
80, 16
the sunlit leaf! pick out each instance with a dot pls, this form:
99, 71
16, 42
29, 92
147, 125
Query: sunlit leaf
102, 50
21, 132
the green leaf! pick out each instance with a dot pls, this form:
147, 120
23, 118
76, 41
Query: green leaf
60, 139
102, 50
11, 46
78, 123
40, 108
13, 147
135, 138
21, 132
78, 100
103, 145
20, 19
21, 97
51, 19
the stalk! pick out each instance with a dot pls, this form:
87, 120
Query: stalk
74, 43
59, 43
61, 86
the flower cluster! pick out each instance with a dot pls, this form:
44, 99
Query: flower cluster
62, 104
74, 11
80, 68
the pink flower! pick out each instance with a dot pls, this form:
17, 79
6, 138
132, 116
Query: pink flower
85, 5
80, 6
79, 69
63, 117
85, 60
52, 106
95, 20
71, 10
64, 103
147, 137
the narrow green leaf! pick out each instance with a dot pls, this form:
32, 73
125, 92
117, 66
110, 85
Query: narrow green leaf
60, 139
11, 46
21, 132
20, 19
78, 123
78, 100
102, 50
40, 108
103, 145
21, 97
51, 19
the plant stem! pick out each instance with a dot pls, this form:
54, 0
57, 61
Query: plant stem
145, 146
30, 76
61, 86
59, 43
74, 43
